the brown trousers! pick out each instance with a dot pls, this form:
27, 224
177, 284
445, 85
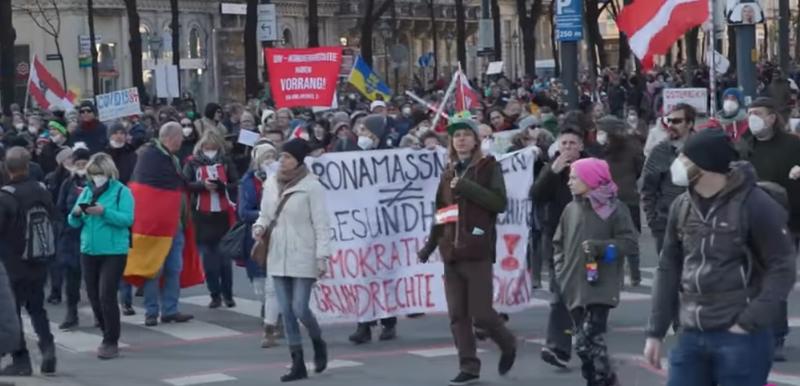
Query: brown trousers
468, 288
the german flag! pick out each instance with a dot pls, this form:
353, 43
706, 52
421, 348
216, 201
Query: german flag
157, 216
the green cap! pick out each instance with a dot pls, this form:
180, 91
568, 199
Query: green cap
462, 120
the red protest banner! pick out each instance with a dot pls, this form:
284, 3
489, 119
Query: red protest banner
303, 76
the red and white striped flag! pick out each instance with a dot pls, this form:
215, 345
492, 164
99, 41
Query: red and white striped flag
466, 97
653, 26
46, 90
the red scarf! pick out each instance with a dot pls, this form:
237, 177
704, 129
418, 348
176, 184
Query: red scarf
218, 200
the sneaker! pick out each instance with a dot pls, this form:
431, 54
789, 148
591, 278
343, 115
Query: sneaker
54, 298
151, 321
388, 333
464, 379
107, 351
551, 357
128, 310
48, 366
507, 360
230, 303
70, 322
177, 318
779, 354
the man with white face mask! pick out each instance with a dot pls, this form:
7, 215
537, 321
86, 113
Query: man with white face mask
775, 154
657, 189
372, 135
727, 264
733, 115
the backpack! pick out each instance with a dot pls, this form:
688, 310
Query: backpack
39, 230
777, 192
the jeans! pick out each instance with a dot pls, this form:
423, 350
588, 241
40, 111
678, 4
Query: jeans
29, 293
219, 271
169, 293
590, 327
721, 358
125, 293
102, 275
294, 294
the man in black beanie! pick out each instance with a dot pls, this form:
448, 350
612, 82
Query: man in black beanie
727, 264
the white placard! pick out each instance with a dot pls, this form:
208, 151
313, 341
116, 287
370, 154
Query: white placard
721, 63
695, 97
381, 207
233, 9
118, 104
267, 23
495, 68
167, 80
248, 138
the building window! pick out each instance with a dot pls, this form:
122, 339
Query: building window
195, 44
107, 67
287, 38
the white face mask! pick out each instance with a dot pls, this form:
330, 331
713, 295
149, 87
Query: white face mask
486, 145
757, 125
187, 131
99, 180
269, 167
59, 139
80, 172
116, 144
210, 154
602, 138
406, 111
680, 175
33, 129
730, 107
633, 120
19, 126
365, 143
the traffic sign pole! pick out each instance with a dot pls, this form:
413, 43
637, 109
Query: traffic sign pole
569, 30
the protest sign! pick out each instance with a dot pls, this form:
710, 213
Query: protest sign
118, 104
381, 206
695, 97
248, 138
303, 76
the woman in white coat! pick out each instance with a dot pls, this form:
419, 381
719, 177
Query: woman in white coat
299, 249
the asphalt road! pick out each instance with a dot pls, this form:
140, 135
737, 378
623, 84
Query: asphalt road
223, 347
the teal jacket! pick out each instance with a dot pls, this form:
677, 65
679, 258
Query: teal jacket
109, 233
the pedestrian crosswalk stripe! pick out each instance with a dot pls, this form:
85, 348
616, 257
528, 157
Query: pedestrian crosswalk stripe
438, 352
192, 330
244, 306
199, 379
75, 341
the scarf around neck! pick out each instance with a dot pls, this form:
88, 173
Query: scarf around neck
603, 200
288, 179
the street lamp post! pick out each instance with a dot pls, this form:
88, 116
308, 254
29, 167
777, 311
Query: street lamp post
386, 32
515, 54
449, 37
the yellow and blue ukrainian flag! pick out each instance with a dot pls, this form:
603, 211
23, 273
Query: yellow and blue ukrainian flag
367, 81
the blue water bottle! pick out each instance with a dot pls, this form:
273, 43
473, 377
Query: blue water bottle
611, 254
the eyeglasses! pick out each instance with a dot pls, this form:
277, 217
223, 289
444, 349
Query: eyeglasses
86, 111
675, 121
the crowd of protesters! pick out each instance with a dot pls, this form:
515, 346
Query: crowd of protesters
600, 166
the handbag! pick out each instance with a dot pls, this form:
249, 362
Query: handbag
261, 246
231, 246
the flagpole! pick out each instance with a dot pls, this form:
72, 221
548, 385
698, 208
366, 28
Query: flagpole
712, 68
442, 105
28, 85
423, 102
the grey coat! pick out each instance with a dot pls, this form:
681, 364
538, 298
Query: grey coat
9, 323
580, 223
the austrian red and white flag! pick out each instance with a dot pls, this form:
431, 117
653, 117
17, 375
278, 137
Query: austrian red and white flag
466, 97
653, 26
46, 90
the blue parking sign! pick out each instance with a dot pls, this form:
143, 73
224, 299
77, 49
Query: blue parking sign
569, 20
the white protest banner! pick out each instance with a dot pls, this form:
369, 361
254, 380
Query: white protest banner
381, 206
695, 97
502, 140
494, 68
118, 104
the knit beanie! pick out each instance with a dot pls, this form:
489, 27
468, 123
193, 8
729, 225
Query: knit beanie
298, 148
710, 150
736, 93
593, 172
87, 104
117, 127
376, 124
81, 154
58, 125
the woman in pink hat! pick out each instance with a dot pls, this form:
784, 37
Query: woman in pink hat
595, 233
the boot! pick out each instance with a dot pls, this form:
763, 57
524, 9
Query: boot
298, 370
20, 367
269, 337
779, 355
48, 358
362, 335
216, 302
70, 319
320, 355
